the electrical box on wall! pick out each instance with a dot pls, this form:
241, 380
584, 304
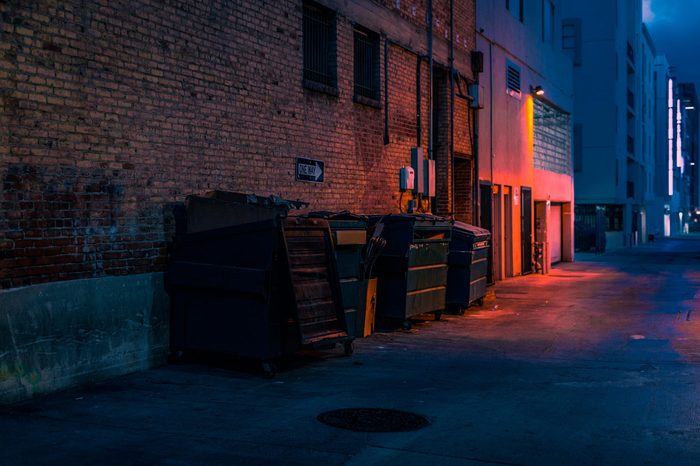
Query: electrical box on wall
476, 92
429, 190
418, 164
406, 178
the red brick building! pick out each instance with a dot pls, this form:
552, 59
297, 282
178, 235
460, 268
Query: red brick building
113, 111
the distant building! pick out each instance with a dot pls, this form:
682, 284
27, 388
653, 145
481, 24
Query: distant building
689, 102
672, 212
525, 133
613, 117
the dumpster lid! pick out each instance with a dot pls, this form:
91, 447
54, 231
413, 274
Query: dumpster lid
472, 230
406, 218
343, 215
251, 199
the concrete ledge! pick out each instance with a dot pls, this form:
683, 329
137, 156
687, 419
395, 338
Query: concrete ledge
59, 335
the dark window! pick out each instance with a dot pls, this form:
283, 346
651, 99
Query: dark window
512, 79
547, 21
516, 8
630, 52
319, 46
366, 64
613, 214
571, 39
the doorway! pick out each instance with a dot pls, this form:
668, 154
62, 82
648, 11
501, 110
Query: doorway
526, 229
508, 231
496, 232
554, 233
486, 221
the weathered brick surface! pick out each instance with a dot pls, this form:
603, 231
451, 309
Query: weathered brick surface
111, 110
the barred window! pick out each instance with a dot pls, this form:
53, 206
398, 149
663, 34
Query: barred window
366, 64
319, 46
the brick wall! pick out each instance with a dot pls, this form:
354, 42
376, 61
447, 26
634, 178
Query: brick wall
111, 111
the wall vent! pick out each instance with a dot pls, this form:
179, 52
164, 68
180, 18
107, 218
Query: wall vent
513, 80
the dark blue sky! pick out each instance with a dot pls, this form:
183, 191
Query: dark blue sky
675, 28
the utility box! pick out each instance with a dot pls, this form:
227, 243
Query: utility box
429, 178
406, 179
476, 92
418, 164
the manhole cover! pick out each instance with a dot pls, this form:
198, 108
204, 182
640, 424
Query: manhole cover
373, 420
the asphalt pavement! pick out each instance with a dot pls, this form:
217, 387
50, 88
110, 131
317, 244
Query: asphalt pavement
596, 363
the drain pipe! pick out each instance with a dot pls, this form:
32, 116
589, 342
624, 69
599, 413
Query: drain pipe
419, 125
386, 91
491, 116
430, 69
451, 60
474, 134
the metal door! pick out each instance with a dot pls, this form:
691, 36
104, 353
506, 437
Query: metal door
508, 231
526, 229
496, 233
486, 221
554, 233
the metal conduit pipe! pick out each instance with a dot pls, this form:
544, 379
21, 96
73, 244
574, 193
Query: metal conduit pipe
430, 70
451, 60
386, 90
419, 125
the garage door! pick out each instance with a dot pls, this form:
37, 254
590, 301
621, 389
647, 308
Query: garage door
554, 233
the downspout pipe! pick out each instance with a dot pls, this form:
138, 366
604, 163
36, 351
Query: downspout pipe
386, 91
476, 202
451, 60
491, 116
419, 123
430, 74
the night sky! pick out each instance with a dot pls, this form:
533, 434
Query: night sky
675, 28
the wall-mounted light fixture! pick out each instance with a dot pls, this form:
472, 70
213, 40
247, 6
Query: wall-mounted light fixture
537, 90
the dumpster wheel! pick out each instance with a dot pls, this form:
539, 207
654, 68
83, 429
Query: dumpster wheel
407, 324
438, 315
348, 348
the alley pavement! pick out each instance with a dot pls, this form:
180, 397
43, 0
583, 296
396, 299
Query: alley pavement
596, 363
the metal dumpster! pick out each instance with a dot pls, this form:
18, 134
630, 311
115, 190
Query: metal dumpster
412, 268
258, 290
468, 265
355, 254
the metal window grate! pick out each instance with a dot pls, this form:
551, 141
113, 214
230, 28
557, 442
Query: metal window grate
513, 79
319, 45
366, 64
551, 139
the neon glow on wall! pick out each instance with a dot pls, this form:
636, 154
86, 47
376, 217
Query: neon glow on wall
670, 137
679, 142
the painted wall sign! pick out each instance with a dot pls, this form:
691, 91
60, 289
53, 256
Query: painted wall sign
309, 170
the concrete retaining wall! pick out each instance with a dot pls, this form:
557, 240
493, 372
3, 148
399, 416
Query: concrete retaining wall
59, 335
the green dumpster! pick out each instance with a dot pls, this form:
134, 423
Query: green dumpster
412, 268
349, 232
